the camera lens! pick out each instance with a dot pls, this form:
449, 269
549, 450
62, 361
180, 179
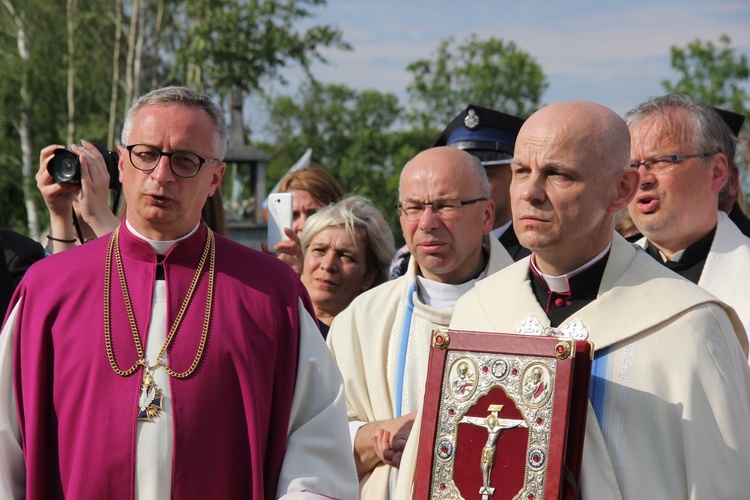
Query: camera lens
64, 167
67, 168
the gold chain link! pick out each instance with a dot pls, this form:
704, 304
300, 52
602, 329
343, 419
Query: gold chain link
114, 247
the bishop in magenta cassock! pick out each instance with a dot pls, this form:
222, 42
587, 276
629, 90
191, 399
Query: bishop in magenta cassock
264, 408
189, 366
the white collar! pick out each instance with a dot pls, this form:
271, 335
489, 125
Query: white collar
439, 294
160, 247
675, 258
560, 284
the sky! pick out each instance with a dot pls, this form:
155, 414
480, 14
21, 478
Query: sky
612, 53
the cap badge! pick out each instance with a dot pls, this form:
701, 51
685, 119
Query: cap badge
472, 119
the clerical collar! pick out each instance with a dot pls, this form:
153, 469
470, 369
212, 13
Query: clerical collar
561, 284
160, 247
689, 261
582, 287
498, 232
439, 294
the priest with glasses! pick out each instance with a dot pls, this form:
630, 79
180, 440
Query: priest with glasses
162, 360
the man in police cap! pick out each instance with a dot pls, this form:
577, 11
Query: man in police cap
490, 136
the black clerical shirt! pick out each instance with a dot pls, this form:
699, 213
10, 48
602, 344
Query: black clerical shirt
583, 289
739, 218
159, 267
690, 265
510, 241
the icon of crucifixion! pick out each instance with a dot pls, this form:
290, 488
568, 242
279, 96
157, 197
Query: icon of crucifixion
495, 426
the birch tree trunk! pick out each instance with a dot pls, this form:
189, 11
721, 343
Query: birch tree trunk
137, 60
24, 123
157, 36
129, 65
115, 77
72, 15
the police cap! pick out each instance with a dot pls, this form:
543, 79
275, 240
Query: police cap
485, 133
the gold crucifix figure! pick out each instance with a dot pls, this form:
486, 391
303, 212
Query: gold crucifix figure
495, 426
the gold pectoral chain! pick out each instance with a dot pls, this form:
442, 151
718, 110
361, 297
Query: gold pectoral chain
208, 251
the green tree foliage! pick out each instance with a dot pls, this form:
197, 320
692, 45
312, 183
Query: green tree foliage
31, 58
212, 45
492, 73
712, 73
240, 43
352, 135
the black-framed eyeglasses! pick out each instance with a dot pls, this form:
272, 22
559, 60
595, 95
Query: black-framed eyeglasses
665, 163
445, 209
182, 163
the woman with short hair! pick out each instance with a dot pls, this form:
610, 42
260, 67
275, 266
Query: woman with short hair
348, 248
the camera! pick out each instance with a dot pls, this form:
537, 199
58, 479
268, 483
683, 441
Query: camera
65, 167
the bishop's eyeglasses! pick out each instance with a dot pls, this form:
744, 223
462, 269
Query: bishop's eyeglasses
182, 163
445, 209
665, 163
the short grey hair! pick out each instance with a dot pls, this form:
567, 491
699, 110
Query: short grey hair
364, 224
691, 123
184, 97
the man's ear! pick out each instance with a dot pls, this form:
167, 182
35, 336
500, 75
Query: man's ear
720, 171
124, 156
216, 177
488, 216
627, 186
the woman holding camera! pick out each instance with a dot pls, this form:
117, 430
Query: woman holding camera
89, 200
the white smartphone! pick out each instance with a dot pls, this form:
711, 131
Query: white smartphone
279, 217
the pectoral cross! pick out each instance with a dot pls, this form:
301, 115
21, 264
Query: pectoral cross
495, 426
150, 400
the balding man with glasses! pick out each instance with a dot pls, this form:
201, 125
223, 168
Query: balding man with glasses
683, 150
381, 340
